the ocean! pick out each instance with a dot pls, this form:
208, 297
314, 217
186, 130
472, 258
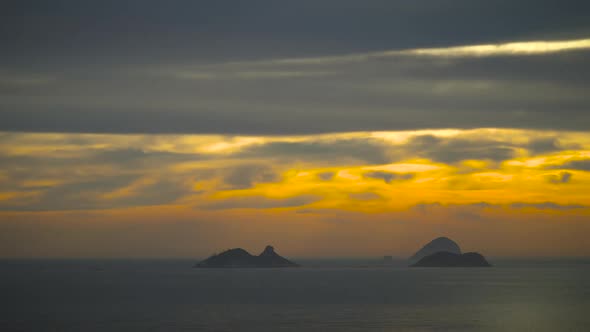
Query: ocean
326, 295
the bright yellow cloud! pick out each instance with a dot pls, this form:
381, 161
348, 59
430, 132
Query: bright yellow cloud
515, 48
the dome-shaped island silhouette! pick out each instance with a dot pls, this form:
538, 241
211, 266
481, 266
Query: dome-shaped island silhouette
239, 257
444, 252
434, 246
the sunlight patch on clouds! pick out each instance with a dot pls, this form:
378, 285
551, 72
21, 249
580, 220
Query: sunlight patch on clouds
405, 167
233, 145
515, 48
400, 168
522, 48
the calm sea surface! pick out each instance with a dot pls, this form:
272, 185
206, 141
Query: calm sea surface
101, 295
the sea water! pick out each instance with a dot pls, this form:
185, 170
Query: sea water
171, 295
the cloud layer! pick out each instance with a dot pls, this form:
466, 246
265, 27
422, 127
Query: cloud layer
85, 172
317, 123
231, 68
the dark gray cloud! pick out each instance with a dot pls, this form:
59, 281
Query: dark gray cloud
74, 195
544, 145
367, 150
373, 151
140, 158
245, 176
260, 202
388, 177
548, 144
579, 165
448, 150
563, 177
162, 192
452, 150
547, 205
152, 67
83, 179
569, 68
385, 176
426, 207
326, 176
85, 165
368, 196
91, 156
483, 205
150, 30
88, 194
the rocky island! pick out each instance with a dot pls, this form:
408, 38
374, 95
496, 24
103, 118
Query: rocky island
449, 259
434, 246
239, 257
444, 252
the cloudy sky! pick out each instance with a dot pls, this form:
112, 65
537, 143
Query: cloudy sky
326, 127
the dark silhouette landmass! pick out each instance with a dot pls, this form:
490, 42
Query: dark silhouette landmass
449, 259
434, 246
239, 257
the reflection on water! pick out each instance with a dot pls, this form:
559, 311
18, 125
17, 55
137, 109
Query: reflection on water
328, 295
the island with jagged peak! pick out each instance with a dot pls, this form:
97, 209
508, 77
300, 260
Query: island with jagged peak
449, 259
238, 257
434, 246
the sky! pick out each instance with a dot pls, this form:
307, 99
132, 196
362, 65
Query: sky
325, 128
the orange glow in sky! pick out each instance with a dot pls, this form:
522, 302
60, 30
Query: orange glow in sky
513, 192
